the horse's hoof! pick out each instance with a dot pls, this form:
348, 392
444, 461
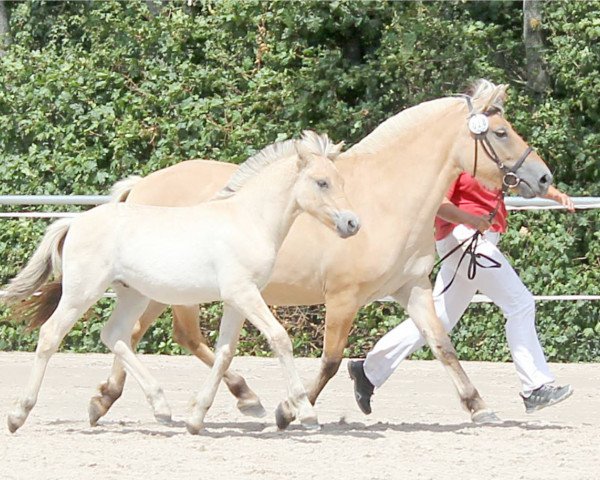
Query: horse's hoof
485, 417
284, 415
96, 410
252, 409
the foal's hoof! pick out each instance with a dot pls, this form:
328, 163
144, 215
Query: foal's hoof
485, 417
164, 418
311, 424
252, 408
284, 415
194, 427
14, 422
96, 410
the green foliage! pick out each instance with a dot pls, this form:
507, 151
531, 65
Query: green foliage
91, 92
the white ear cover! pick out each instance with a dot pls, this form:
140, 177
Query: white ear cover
478, 124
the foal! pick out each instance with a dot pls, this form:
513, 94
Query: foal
224, 250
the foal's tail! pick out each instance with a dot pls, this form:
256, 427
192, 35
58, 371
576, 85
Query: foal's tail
45, 261
121, 190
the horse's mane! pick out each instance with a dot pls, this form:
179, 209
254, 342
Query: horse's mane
484, 95
318, 144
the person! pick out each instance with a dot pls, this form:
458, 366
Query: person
465, 210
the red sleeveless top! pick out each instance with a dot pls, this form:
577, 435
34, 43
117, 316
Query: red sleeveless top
470, 195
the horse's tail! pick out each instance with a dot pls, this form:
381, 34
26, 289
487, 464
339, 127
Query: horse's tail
45, 261
121, 190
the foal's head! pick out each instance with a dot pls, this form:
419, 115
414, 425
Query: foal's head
502, 157
319, 189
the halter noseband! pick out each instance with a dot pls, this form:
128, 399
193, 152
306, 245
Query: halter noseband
479, 127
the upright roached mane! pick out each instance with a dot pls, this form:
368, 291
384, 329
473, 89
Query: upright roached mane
315, 143
485, 95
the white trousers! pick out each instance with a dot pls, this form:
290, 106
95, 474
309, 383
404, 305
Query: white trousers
502, 285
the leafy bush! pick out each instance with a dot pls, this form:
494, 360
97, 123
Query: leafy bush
94, 91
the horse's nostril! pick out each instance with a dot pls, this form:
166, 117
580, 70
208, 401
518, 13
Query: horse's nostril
546, 179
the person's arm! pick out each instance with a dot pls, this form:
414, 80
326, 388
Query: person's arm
559, 197
451, 213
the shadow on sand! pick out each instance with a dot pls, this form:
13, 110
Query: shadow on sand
265, 430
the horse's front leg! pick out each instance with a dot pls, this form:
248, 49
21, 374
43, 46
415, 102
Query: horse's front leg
111, 389
417, 298
187, 333
339, 315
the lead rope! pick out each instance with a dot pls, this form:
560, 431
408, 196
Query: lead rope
471, 251
509, 180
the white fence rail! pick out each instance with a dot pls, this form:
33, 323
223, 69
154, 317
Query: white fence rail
512, 203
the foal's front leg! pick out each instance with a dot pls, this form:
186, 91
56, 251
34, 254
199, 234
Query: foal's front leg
229, 332
250, 303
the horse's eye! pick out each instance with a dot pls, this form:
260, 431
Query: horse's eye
500, 133
323, 184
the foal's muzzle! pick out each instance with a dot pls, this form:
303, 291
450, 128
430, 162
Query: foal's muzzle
346, 224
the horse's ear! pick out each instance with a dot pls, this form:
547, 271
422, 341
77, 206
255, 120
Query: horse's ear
500, 96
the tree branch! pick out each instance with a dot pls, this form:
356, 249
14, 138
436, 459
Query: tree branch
4, 28
537, 78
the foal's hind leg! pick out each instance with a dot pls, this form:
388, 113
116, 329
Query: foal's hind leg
111, 389
51, 335
186, 332
116, 335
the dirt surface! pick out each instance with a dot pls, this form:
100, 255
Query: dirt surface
417, 429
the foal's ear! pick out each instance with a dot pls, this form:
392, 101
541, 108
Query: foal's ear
335, 150
304, 154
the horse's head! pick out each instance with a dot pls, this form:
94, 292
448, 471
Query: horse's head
319, 189
500, 158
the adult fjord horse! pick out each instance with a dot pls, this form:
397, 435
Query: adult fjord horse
223, 249
395, 178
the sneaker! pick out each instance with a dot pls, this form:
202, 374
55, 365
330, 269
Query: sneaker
363, 388
545, 396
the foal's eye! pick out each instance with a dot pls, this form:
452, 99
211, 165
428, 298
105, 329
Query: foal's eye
500, 133
323, 184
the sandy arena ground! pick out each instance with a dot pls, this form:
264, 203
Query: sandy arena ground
417, 429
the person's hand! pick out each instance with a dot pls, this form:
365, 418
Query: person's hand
481, 223
564, 200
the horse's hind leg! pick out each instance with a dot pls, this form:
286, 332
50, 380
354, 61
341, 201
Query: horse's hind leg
186, 332
116, 335
339, 316
51, 335
111, 389
418, 301
229, 331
